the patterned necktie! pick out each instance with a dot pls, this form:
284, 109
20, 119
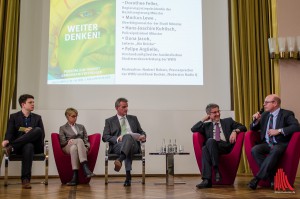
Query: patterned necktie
218, 132
123, 126
271, 127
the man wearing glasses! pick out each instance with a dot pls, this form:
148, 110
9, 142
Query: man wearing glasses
276, 127
220, 137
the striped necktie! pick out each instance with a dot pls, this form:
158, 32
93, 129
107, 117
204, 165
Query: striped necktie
271, 142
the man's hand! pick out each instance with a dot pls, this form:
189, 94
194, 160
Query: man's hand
142, 138
4, 143
273, 132
232, 138
256, 116
206, 118
119, 139
27, 129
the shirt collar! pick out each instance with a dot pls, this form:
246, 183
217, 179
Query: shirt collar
29, 116
219, 122
119, 117
71, 124
275, 113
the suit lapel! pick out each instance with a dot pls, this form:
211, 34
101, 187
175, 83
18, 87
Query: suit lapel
77, 129
33, 120
69, 129
226, 130
278, 119
211, 130
117, 123
223, 125
265, 123
130, 121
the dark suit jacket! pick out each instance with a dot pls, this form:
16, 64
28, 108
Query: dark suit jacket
16, 121
228, 125
112, 128
66, 133
285, 119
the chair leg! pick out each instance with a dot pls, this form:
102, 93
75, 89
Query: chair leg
143, 170
46, 169
6, 171
106, 170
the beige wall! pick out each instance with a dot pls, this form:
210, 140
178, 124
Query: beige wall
288, 16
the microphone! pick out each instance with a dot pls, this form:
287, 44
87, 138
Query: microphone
260, 112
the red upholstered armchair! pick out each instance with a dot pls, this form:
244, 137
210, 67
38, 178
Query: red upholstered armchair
289, 161
229, 163
63, 161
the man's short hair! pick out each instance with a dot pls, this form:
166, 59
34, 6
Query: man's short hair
70, 110
278, 100
211, 106
119, 100
24, 97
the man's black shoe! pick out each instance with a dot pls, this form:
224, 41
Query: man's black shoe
272, 185
218, 176
253, 183
204, 184
271, 179
127, 183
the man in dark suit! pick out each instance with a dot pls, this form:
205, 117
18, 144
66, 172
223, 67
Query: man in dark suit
123, 132
220, 137
25, 135
276, 127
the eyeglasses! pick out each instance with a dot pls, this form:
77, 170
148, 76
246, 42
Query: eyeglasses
267, 102
73, 116
215, 112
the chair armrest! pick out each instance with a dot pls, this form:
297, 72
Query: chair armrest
253, 136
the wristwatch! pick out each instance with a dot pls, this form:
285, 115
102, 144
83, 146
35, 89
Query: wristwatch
280, 131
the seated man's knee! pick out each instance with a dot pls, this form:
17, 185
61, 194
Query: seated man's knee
254, 150
210, 141
278, 152
37, 129
29, 147
127, 137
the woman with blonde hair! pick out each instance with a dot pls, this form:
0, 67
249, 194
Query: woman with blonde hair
74, 141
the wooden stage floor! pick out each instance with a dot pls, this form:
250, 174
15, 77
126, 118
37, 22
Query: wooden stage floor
97, 189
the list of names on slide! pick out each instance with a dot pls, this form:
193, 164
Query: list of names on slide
142, 30
159, 41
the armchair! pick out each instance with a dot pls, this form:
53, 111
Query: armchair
63, 161
289, 162
229, 163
